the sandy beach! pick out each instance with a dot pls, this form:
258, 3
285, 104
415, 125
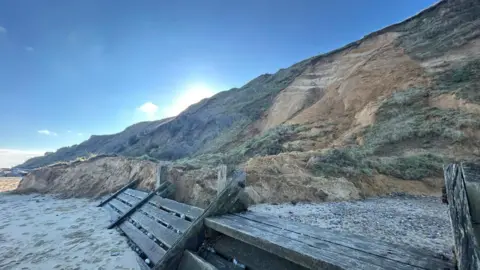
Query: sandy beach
42, 232
9, 183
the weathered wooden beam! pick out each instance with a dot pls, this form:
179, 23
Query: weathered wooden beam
219, 262
119, 205
159, 214
162, 175
147, 245
191, 212
138, 205
191, 261
252, 257
221, 205
162, 233
136, 193
466, 244
471, 173
400, 253
222, 178
153, 251
291, 249
118, 192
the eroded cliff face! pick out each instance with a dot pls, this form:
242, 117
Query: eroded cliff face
377, 116
100, 176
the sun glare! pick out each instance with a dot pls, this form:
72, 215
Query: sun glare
192, 95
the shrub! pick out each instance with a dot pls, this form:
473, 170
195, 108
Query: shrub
463, 80
133, 140
357, 161
270, 143
340, 162
410, 167
406, 116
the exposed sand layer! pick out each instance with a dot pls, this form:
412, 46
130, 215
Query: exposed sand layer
420, 222
42, 232
9, 183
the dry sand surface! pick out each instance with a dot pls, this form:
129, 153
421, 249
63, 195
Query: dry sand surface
9, 183
420, 222
42, 232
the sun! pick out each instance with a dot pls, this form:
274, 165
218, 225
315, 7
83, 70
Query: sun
193, 94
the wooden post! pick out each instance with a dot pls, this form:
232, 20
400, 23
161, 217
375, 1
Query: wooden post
221, 205
118, 192
466, 245
222, 178
138, 205
471, 173
162, 175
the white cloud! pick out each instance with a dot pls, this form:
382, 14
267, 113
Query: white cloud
80, 134
29, 49
149, 109
192, 95
3, 30
69, 131
47, 132
12, 157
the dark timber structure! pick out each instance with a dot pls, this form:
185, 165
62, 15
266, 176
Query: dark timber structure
462, 182
173, 235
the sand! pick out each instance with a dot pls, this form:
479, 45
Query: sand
419, 222
9, 183
42, 232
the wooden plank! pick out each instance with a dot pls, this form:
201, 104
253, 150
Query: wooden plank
252, 257
142, 264
113, 214
118, 192
153, 251
402, 254
353, 254
128, 199
137, 205
140, 237
466, 245
162, 233
191, 212
192, 261
293, 250
136, 193
119, 205
221, 205
219, 262
177, 223
163, 216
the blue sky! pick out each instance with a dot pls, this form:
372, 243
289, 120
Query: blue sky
70, 69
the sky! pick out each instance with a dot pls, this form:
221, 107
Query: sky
71, 69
